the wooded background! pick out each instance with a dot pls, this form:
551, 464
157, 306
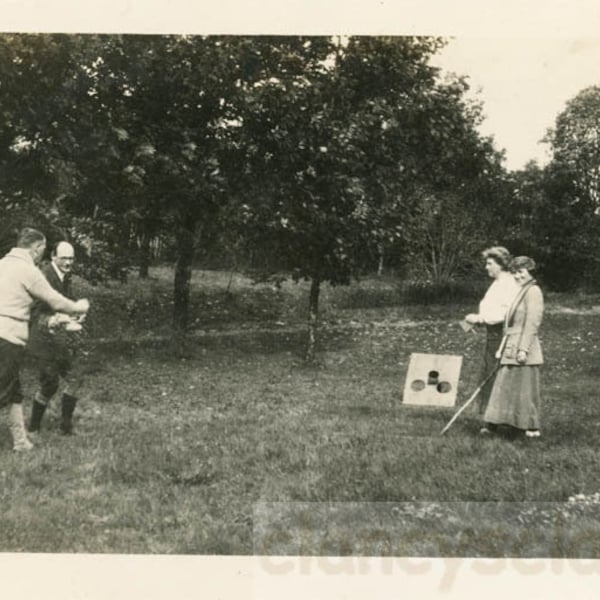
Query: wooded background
319, 158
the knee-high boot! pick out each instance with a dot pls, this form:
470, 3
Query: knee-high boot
67, 409
16, 425
40, 402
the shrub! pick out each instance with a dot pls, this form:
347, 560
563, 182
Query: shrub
448, 292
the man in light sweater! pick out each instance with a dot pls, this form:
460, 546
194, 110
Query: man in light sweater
21, 283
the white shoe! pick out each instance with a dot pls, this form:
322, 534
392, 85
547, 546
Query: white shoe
16, 425
532, 433
23, 446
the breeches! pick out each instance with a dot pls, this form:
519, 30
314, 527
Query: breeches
11, 359
51, 372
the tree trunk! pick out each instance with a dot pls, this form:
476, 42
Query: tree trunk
380, 249
230, 280
313, 316
183, 277
144, 254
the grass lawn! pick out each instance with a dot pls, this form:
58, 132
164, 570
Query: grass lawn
238, 447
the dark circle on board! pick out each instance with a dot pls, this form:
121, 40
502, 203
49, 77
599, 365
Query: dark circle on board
443, 387
417, 385
432, 377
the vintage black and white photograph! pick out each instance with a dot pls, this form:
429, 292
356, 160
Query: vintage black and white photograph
299, 296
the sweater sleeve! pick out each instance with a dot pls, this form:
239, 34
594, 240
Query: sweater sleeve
534, 310
497, 300
40, 289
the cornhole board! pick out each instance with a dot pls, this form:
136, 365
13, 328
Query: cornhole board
432, 380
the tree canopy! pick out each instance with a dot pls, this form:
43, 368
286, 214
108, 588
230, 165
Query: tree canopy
308, 157
555, 209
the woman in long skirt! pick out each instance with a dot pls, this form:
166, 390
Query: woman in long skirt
515, 397
492, 312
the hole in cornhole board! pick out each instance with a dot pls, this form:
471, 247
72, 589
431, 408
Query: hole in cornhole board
432, 377
418, 384
432, 380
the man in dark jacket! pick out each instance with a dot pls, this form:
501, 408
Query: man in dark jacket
49, 342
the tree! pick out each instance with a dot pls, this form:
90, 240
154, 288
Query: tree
575, 143
549, 223
338, 138
457, 186
37, 80
559, 205
148, 158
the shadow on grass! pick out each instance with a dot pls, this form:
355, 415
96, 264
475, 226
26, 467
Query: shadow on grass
238, 343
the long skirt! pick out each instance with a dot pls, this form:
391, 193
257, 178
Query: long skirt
493, 338
515, 397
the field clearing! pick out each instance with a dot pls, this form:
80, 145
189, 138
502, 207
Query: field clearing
213, 451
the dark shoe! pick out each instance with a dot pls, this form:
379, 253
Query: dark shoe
67, 409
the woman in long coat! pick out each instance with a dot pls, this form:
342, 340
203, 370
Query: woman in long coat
515, 397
